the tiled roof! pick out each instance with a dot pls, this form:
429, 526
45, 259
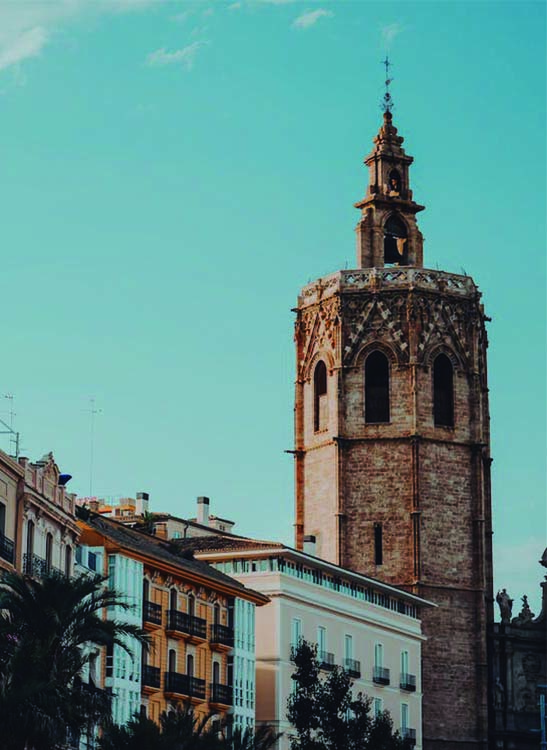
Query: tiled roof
162, 550
214, 542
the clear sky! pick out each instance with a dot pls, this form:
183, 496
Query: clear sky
171, 173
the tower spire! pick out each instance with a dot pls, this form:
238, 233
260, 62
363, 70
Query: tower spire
387, 101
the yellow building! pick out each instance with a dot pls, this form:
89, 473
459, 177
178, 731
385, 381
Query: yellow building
201, 624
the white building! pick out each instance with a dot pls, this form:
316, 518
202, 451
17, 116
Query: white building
370, 628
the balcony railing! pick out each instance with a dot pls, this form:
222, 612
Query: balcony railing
184, 623
220, 693
352, 667
221, 634
380, 675
151, 676
6, 548
409, 734
36, 566
151, 612
407, 682
326, 660
183, 684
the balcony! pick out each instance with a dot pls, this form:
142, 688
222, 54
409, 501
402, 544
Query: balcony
180, 622
151, 676
6, 548
183, 684
380, 676
221, 635
36, 566
352, 667
151, 613
220, 693
407, 682
326, 660
409, 734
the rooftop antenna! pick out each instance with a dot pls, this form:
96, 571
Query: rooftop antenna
387, 101
9, 429
92, 412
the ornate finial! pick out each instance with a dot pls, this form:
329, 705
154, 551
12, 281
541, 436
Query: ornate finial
387, 101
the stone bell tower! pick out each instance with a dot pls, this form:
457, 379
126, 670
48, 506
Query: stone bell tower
392, 445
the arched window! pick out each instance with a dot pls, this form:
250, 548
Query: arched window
443, 391
376, 388
49, 551
30, 537
173, 599
216, 673
320, 405
172, 660
68, 559
191, 605
190, 665
395, 241
216, 614
394, 187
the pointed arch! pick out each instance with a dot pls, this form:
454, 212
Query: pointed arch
320, 397
377, 387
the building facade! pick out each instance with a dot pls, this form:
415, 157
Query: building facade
519, 663
193, 615
392, 445
11, 483
369, 628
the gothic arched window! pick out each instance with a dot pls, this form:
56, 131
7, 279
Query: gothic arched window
443, 391
320, 404
395, 241
376, 388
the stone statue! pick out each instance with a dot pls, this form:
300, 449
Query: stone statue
505, 604
525, 615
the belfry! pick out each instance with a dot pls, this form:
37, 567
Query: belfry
392, 444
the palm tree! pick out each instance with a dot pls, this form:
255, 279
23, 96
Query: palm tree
45, 626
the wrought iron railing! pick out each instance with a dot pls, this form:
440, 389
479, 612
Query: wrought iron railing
36, 566
221, 634
407, 682
184, 623
220, 693
380, 675
151, 612
183, 684
6, 548
352, 667
409, 734
326, 660
151, 676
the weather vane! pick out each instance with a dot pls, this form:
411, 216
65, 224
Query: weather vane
387, 101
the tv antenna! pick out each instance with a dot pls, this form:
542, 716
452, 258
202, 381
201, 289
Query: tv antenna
387, 101
8, 428
92, 411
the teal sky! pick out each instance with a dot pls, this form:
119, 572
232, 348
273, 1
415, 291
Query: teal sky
171, 173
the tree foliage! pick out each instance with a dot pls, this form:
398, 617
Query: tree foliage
327, 716
46, 625
181, 729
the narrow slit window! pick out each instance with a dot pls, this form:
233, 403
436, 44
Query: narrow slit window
376, 388
320, 407
378, 550
443, 391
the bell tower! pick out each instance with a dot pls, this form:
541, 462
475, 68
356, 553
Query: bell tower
392, 444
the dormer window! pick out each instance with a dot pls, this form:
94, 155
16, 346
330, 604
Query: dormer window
395, 241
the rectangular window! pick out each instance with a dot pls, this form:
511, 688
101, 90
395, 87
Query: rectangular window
377, 706
404, 716
296, 631
378, 551
378, 655
2, 519
321, 638
348, 647
404, 662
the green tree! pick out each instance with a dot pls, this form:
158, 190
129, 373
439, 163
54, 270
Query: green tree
46, 626
181, 729
327, 716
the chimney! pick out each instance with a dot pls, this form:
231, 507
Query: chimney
309, 544
141, 504
203, 511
